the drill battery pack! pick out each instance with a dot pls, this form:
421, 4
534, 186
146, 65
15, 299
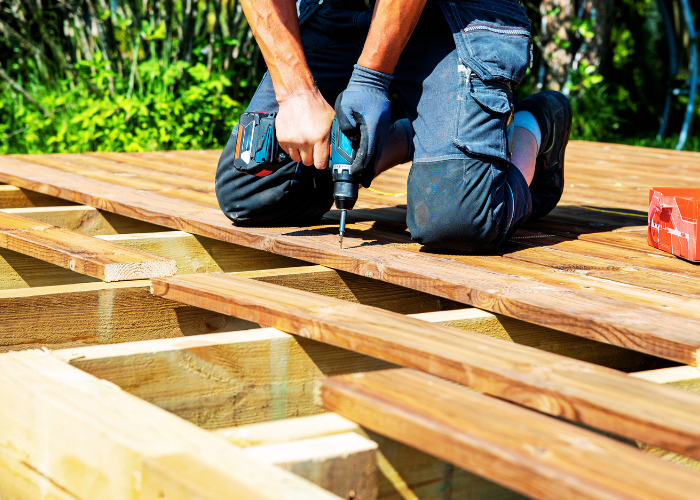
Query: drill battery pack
257, 150
673, 221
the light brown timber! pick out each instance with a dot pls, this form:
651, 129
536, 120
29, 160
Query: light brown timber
105, 313
404, 472
100, 313
540, 457
78, 252
197, 254
84, 219
14, 197
225, 379
21, 271
344, 464
523, 333
600, 397
93, 441
618, 320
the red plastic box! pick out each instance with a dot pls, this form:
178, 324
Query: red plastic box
673, 221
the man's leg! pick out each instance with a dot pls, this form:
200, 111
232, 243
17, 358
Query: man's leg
463, 193
296, 194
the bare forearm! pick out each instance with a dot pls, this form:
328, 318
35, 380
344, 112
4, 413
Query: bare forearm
392, 26
276, 28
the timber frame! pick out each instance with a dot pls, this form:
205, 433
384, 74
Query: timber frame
200, 368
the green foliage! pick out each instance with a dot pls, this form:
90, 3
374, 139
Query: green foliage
127, 75
197, 115
150, 88
621, 101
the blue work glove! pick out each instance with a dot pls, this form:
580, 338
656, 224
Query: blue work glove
364, 116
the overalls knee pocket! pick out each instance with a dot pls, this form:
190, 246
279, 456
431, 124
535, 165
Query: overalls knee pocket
493, 43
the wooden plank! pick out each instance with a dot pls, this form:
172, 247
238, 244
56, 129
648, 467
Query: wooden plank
404, 472
344, 464
513, 330
100, 313
20, 271
682, 377
352, 288
84, 219
80, 253
288, 429
90, 439
197, 254
620, 321
596, 396
79, 218
14, 197
540, 457
105, 313
224, 379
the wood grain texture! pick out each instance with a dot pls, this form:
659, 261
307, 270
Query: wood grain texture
602, 398
14, 197
197, 254
78, 252
587, 306
106, 313
404, 472
288, 429
225, 379
100, 313
84, 219
93, 441
540, 457
523, 333
20, 271
344, 464
352, 288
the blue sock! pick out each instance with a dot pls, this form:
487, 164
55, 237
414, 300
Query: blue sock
526, 120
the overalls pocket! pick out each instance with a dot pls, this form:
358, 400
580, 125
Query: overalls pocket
492, 39
484, 111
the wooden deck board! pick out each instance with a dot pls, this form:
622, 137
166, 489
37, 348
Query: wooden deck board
79, 252
596, 396
520, 449
568, 271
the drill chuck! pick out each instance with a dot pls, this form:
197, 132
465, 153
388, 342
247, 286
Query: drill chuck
345, 187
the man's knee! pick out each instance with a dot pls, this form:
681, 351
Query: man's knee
294, 195
466, 205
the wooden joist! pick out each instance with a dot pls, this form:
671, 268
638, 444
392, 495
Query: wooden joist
87, 438
224, 379
596, 396
403, 471
78, 252
84, 219
526, 451
197, 254
635, 317
100, 313
14, 197
107, 313
344, 464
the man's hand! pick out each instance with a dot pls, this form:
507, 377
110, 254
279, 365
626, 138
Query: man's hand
364, 113
303, 127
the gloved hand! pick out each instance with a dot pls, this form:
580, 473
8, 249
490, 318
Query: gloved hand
364, 115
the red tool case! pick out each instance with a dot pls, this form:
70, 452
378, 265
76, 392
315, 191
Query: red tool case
673, 221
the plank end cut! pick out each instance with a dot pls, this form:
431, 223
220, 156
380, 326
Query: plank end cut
140, 270
79, 252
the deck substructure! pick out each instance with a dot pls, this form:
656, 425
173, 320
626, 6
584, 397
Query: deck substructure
177, 387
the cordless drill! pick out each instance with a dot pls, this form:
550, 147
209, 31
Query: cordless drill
258, 153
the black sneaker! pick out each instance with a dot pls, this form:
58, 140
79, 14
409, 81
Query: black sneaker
552, 111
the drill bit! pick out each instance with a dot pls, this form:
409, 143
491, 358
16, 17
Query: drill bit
342, 226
